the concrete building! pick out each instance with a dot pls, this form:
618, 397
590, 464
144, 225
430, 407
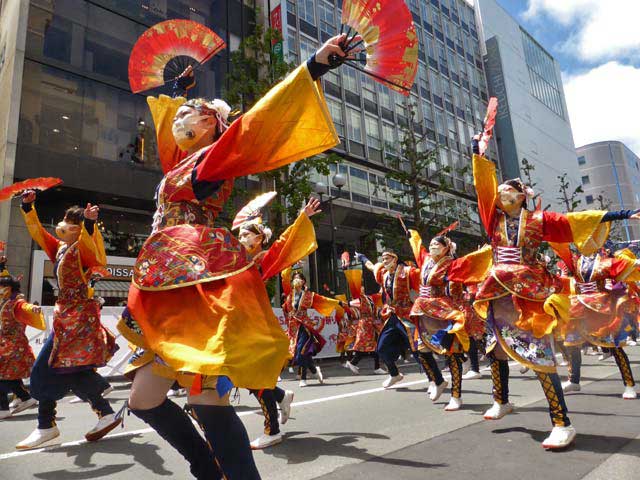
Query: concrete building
610, 178
532, 120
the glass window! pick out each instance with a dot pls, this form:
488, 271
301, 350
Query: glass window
306, 11
385, 97
389, 135
326, 17
368, 88
335, 108
373, 132
359, 185
589, 199
351, 79
292, 45
354, 125
585, 180
307, 47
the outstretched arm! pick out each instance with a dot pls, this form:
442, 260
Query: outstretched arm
47, 242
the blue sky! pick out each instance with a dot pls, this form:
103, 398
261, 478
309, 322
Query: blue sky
597, 43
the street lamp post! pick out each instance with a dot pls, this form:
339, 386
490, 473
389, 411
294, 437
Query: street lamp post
339, 181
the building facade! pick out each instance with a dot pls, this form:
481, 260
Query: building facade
532, 121
610, 178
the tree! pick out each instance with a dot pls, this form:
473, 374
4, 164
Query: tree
569, 198
255, 68
527, 168
416, 182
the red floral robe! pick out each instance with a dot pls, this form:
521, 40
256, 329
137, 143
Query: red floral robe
363, 312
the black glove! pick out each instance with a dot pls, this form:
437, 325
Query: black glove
317, 69
182, 84
475, 146
361, 258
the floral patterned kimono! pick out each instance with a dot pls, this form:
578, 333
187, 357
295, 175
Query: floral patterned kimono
439, 309
519, 298
362, 312
16, 356
80, 340
197, 301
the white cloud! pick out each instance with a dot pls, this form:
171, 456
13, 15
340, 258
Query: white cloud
603, 105
605, 29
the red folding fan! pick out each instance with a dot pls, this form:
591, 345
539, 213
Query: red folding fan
489, 122
171, 45
42, 183
448, 229
252, 210
389, 39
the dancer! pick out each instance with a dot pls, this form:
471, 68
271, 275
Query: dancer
79, 343
197, 303
519, 299
16, 356
398, 280
438, 310
305, 339
600, 316
362, 311
476, 329
298, 241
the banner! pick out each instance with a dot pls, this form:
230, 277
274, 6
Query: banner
117, 365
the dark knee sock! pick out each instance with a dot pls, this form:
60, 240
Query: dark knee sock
20, 390
430, 366
278, 394
355, 360
229, 440
473, 355
575, 363
267, 401
46, 414
623, 365
392, 369
303, 373
376, 361
175, 426
312, 366
4, 401
500, 379
555, 397
455, 367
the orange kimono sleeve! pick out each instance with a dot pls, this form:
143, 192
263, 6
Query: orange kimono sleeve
163, 110
291, 122
414, 278
25, 314
297, 242
486, 183
624, 267
473, 268
323, 305
47, 242
91, 247
378, 273
419, 251
285, 278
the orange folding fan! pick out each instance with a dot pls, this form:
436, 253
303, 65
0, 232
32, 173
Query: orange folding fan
42, 183
489, 122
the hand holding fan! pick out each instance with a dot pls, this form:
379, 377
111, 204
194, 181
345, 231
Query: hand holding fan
252, 210
489, 122
448, 229
172, 45
389, 38
42, 183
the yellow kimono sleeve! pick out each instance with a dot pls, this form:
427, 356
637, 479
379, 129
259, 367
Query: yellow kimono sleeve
291, 122
297, 241
47, 242
486, 183
631, 272
285, 277
473, 268
92, 252
163, 110
323, 305
589, 234
25, 314
419, 252
354, 281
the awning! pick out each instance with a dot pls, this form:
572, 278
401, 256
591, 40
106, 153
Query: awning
103, 288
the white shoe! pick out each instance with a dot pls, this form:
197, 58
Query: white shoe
392, 380
524, 369
436, 392
560, 437
453, 405
266, 441
471, 375
290, 369
352, 367
104, 426
38, 437
319, 375
629, 393
631, 343
406, 361
380, 371
604, 356
563, 363
26, 405
498, 410
303, 383
5, 414
431, 388
279, 378
16, 401
285, 407
466, 366
568, 387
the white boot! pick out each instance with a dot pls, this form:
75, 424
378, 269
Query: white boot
560, 437
524, 369
352, 367
436, 392
453, 405
16, 401
392, 380
629, 393
285, 407
302, 384
104, 426
568, 387
26, 405
380, 371
38, 437
498, 410
431, 388
266, 441
319, 375
471, 375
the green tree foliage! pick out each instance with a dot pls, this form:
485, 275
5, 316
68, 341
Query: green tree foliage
568, 197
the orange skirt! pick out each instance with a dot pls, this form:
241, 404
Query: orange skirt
223, 327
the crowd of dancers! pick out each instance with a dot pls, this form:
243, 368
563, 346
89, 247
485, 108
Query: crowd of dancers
198, 312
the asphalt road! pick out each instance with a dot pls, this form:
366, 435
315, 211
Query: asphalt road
350, 428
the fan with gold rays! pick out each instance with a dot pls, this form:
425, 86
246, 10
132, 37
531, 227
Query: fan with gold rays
252, 210
42, 183
165, 50
489, 123
389, 39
